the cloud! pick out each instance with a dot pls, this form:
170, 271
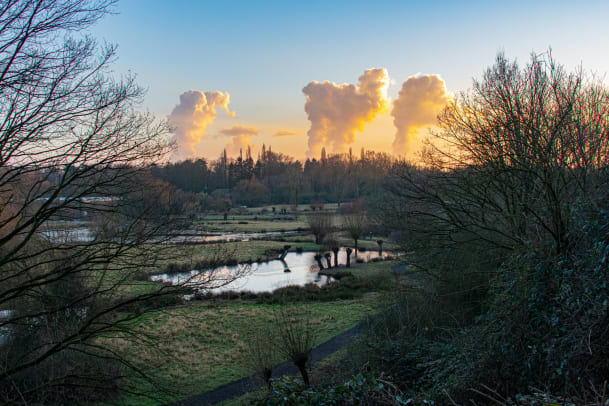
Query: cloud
285, 133
419, 102
337, 112
241, 139
239, 130
189, 119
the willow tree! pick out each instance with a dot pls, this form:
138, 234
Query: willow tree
321, 224
355, 220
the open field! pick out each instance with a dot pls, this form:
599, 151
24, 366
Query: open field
299, 208
252, 226
202, 346
241, 251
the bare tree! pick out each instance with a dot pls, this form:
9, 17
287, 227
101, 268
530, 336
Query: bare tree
296, 337
355, 220
261, 355
511, 159
72, 147
321, 225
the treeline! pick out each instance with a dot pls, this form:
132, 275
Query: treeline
275, 178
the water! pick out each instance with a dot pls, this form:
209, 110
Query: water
236, 236
74, 233
263, 277
5, 315
69, 235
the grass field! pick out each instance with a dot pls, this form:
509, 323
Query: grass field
200, 346
241, 251
299, 208
249, 225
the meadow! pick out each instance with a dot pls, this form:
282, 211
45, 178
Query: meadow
195, 346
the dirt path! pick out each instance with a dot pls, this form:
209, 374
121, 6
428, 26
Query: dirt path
247, 384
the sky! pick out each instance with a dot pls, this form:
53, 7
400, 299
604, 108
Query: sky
227, 74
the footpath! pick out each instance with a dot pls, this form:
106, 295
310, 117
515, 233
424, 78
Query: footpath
252, 382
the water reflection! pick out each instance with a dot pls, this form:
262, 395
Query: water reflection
79, 232
234, 236
267, 276
69, 235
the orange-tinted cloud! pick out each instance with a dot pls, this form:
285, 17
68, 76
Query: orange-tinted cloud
189, 119
285, 133
418, 104
241, 139
337, 112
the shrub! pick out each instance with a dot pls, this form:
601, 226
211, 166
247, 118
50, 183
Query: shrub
177, 268
362, 389
549, 321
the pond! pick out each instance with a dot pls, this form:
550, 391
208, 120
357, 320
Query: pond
265, 276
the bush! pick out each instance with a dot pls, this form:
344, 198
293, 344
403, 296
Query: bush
141, 276
540, 322
177, 268
362, 389
549, 321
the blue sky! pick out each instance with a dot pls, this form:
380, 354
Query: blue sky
264, 52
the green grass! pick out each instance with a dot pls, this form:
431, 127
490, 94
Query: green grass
242, 251
366, 243
300, 208
242, 400
253, 226
200, 346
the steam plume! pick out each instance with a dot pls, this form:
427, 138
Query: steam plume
418, 104
336, 111
190, 118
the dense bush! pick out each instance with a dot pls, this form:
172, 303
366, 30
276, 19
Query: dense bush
549, 323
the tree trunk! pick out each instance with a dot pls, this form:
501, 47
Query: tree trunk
328, 260
335, 250
302, 367
268, 374
349, 251
318, 259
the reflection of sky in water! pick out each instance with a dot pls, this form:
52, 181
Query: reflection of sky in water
77, 233
266, 276
236, 236
262, 277
74, 234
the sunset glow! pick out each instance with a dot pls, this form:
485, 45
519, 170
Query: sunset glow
292, 69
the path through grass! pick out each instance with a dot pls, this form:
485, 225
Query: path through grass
202, 346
